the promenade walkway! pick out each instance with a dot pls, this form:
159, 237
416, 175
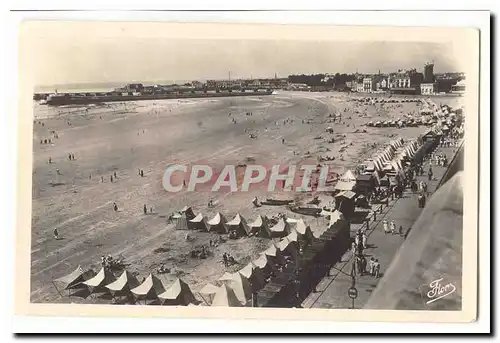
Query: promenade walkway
332, 291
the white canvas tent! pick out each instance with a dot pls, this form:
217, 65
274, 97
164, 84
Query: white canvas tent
149, 289
239, 224
348, 176
72, 279
345, 185
125, 282
241, 287
208, 292
178, 293
217, 223
226, 277
199, 222
102, 278
278, 230
225, 297
254, 274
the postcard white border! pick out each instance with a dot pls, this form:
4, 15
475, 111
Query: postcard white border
357, 18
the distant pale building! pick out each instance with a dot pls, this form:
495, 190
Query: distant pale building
406, 82
383, 84
370, 83
360, 87
428, 88
197, 84
459, 87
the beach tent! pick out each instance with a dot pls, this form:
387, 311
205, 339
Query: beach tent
279, 230
149, 289
123, 284
274, 254
289, 247
241, 287
345, 185
348, 176
303, 229
178, 294
199, 222
226, 277
217, 223
97, 283
182, 220
335, 218
293, 236
369, 166
73, 279
255, 275
238, 224
208, 291
259, 225
225, 297
263, 264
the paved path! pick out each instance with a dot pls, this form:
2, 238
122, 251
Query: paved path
331, 292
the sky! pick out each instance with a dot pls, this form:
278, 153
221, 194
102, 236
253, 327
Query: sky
101, 58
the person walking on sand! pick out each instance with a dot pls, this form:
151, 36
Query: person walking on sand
56, 234
50, 160
102, 179
115, 206
111, 178
114, 173
400, 230
145, 209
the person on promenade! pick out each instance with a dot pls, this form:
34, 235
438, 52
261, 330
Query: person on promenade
377, 268
364, 239
371, 265
393, 227
386, 226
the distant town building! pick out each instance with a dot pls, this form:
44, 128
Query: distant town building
383, 84
134, 87
429, 73
197, 84
405, 82
459, 87
360, 87
428, 88
370, 83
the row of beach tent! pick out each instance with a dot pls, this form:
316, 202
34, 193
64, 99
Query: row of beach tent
234, 289
237, 289
126, 287
186, 219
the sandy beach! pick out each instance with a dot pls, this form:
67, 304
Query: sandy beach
150, 135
